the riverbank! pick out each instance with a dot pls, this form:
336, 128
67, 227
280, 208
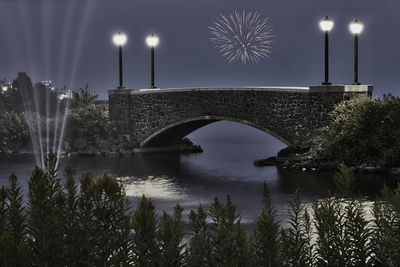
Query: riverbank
112, 147
313, 158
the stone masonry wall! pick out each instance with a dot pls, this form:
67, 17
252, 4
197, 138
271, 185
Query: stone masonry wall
285, 114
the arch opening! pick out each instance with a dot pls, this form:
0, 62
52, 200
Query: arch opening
175, 132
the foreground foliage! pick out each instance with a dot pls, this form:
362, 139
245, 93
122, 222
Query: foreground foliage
61, 225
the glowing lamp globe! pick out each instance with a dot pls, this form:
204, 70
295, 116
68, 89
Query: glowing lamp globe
356, 27
152, 40
119, 39
5, 88
326, 24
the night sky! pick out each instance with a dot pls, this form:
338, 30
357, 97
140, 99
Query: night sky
70, 42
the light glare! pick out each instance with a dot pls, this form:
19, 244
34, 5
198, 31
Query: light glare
326, 24
119, 39
5, 88
356, 27
152, 40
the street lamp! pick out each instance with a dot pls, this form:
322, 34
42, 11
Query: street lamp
120, 39
152, 41
326, 25
356, 28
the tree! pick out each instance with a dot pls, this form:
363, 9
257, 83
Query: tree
144, 222
199, 247
87, 230
111, 222
266, 234
3, 225
70, 216
332, 247
363, 129
296, 242
44, 236
344, 180
229, 241
386, 229
16, 224
82, 98
170, 234
358, 234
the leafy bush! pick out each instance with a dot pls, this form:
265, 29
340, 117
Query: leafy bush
363, 129
14, 130
86, 118
88, 121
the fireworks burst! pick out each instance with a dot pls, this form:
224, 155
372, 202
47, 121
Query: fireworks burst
245, 37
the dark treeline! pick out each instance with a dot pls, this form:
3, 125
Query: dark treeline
26, 107
61, 225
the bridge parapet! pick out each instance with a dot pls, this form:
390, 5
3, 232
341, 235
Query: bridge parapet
155, 117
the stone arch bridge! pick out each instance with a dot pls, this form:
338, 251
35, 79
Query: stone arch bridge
155, 118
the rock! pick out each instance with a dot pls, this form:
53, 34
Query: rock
271, 161
7, 151
285, 153
105, 152
186, 148
395, 171
186, 141
368, 169
89, 151
103, 144
329, 165
125, 152
23, 152
197, 149
125, 138
80, 143
114, 154
67, 146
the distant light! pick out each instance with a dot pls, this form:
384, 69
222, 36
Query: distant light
152, 40
62, 96
356, 27
5, 89
120, 39
326, 24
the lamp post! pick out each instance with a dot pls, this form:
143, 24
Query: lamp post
356, 28
120, 39
152, 41
326, 25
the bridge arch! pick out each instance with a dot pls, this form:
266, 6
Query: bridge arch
174, 132
163, 117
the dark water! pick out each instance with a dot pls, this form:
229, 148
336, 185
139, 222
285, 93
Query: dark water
225, 167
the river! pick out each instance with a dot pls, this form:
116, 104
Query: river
225, 167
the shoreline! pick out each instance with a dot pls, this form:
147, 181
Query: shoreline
304, 159
113, 147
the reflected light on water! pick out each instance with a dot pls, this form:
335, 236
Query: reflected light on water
154, 187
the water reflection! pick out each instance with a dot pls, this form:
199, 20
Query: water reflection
155, 187
197, 178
